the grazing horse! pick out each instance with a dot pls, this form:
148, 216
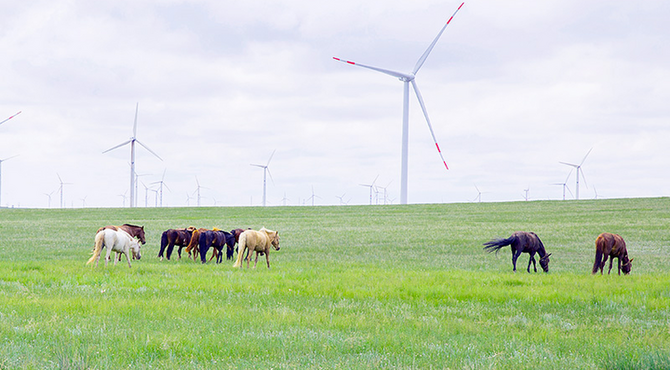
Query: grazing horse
217, 239
193, 246
611, 246
522, 242
118, 241
134, 231
172, 237
257, 241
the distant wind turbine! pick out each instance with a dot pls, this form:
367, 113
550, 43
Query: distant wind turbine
10, 118
408, 78
564, 184
478, 198
60, 188
3, 160
578, 169
266, 171
313, 196
160, 187
371, 186
132, 142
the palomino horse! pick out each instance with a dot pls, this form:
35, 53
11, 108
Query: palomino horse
257, 241
172, 237
522, 242
118, 241
611, 246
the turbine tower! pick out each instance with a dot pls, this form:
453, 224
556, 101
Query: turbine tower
408, 78
578, 169
266, 170
132, 142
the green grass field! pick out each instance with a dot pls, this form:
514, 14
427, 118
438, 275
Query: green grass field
405, 287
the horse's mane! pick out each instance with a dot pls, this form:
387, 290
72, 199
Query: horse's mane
129, 225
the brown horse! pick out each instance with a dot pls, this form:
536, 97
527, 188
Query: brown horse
522, 242
172, 237
257, 241
611, 246
134, 231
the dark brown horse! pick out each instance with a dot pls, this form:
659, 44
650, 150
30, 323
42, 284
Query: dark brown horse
522, 242
216, 239
611, 246
172, 237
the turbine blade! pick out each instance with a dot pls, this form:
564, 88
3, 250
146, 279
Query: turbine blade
137, 108
399, 75
423, 58
587, 154
584, 177
10, 118
270, 173
430, 127
147, 148
271, 155
118, 146
257, 165
569, 164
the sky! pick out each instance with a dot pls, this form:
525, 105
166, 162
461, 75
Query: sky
512, 89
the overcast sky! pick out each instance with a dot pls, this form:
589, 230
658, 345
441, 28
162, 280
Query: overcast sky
512, 88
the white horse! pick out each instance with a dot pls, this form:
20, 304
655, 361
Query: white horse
118, 241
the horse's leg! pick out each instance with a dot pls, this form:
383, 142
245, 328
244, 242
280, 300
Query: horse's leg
531, 259
619, 259
611, 261
267, 257
256, 261
515, 256
127, 253
170, 248
107, 255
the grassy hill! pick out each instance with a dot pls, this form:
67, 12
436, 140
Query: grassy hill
351, 287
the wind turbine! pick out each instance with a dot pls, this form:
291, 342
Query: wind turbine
197, 190
160, 186
478, 198
371, 186
408, 78
3, 160
313, 196
578, 168
10, 118
564, 184
132, 142
60, 188
266, 170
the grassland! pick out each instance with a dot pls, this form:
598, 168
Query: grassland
405, 287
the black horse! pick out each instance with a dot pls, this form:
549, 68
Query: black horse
216, 239
172, 237
522, 242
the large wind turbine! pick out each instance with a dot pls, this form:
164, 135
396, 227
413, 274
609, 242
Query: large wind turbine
408, 78
578, 169
266, 170
132, 142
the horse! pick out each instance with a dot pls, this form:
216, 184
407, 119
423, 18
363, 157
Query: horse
522, 242
118, 241
215, 238
611, 246
192, 247
257, 241
172, 237
134, 231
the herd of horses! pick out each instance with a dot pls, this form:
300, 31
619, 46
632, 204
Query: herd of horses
126, 240
608, 246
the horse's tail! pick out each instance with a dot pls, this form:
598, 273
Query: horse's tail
600, 246
193, 243
496, 244
164, 243
240, 249
99, 243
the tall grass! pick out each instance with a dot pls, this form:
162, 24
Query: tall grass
351, 287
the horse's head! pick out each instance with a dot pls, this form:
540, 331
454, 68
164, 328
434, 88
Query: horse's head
627, 265
275, 240
544, 262
135, 249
